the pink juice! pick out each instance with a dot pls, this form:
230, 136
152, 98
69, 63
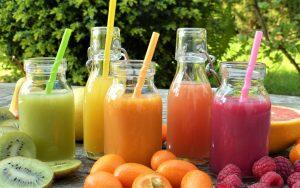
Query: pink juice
239, 133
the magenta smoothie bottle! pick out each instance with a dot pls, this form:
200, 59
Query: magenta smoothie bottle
239, 128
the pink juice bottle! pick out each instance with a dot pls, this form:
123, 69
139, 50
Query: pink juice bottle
239, 128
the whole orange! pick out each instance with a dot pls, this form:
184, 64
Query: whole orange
102, 179
107, 163
175, 170
151, 180
127, 173
196, 178
160, 157
295, 153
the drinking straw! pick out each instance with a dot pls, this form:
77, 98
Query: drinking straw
58, 59
109, 33
146, 64
251, 65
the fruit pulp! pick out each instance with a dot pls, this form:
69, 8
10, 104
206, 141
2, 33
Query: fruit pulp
49, 120
133, 127
93, 120
239, 133
189, 113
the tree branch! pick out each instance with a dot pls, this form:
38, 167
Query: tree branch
266, 33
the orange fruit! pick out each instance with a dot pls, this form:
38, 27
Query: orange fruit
102, 179
174, 170
295, 153
107, 163
150, 181
164, 132
284, 129
160, 157
196, 178
127, 173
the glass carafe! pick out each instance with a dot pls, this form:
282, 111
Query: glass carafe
132, 124
239, 128
95, 90
190, 98
47, 118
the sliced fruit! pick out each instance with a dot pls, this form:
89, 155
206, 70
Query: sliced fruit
10, 123
153, 180
14, 105
62, 168
16, 143
107, 163
78, 105
24, 172
5, 114
5, 129
285, 128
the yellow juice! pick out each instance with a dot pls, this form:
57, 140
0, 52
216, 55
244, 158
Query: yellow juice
93, 120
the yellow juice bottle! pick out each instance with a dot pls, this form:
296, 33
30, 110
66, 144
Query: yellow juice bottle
95, 91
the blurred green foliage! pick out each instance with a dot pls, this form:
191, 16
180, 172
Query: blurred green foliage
34, 28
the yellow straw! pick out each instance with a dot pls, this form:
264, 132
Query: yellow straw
109, 34
146, 64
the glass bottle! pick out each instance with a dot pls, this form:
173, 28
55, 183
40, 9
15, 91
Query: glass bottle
240, 128
190, 98
95, 90
132, 124
47, 118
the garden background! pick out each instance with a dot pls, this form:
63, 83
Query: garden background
31, 28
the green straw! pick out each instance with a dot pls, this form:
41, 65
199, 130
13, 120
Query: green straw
58, 60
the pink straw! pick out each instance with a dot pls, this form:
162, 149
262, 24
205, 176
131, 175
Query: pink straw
251, 65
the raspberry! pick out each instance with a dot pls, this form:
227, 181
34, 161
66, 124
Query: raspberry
296, 185
283, 167
293, 178
229, 169
259, 185
222, 185
232, 181
272, 179
297, 166
262, 166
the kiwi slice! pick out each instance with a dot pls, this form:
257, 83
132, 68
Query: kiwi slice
62, 168
5, 114
24, 172
10, 123
16, 143
5, 129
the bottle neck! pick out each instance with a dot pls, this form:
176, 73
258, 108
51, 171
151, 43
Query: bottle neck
43, 78
191, 71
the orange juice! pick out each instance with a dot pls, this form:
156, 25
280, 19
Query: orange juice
132, 126
93, 120
189, 114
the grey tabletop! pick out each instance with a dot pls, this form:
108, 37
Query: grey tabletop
77, 179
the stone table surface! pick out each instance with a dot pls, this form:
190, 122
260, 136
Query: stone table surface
77, 179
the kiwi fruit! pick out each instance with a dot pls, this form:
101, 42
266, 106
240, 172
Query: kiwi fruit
5, 129
10, 123
16, 143
5, 114
63, 168
24, 172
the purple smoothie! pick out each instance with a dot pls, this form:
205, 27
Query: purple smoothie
239, 133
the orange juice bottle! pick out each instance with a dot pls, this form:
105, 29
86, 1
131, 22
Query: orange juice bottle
95, 91
132, 125
190, 99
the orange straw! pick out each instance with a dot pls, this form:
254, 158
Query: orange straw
146, 64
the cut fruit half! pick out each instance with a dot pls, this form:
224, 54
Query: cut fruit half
285, 128
16, 143
5, 114
10, 123
63, 168
24, 172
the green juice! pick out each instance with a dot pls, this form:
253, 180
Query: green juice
49, 120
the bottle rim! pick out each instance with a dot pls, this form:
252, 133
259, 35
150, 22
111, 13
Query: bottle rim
132, 67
